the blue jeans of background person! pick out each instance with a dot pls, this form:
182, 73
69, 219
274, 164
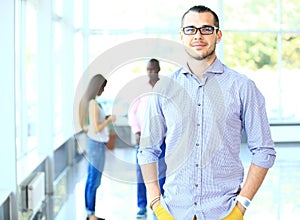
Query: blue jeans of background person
141, 188
96, 159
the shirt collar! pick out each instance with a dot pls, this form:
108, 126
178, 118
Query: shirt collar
216, 68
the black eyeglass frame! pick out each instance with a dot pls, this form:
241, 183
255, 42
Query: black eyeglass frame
200, 29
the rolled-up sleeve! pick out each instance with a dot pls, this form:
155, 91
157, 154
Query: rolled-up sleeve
257, 127
153, 132
264, 156
148, 155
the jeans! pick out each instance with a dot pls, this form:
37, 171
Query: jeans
96, 159
141, 188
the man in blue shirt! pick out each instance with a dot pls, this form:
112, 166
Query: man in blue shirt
202, 110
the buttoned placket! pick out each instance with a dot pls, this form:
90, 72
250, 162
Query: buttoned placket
198, 145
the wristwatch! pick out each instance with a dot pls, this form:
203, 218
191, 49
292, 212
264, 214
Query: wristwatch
245, 202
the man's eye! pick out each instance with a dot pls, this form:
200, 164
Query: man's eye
207, 28
190, 29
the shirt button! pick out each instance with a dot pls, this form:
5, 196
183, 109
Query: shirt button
195, 203
198, 124
197, 145
199, 104
197, 165
196, 185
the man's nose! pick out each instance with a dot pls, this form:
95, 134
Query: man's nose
198, 34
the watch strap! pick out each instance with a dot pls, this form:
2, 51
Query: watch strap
245, 202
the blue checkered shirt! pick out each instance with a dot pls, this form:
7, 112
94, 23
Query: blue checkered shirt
203, 121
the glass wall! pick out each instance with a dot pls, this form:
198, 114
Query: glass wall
55, 41
46, 42
27, 77
118, 22
261, 39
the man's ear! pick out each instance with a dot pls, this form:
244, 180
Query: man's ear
219, 36
181, 35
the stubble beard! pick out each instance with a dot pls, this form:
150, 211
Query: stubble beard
205, 56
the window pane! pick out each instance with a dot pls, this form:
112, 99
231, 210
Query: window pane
18, 84
252, 51
291, 51
290, 111
290, 15
30, 74
108, 17
256, 55
78, 58
78, 11
250, 14
290, 77
107, 42
140, 16
58, 7
58, 61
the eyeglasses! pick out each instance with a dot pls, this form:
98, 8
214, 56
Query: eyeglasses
205, 30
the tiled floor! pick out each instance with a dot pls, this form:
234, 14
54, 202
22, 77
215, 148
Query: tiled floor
277, 199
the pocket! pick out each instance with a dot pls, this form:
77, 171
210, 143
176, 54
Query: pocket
163, 203
235, 214
240, 215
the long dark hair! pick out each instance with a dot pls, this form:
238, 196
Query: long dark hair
96, 83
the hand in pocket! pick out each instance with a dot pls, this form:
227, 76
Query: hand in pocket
162, 214
235, 214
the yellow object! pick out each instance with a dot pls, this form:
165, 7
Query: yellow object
162, 214
235, 214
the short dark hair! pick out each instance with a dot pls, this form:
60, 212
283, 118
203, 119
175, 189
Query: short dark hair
153, 60
201, 9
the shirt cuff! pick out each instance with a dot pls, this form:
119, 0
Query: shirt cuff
146, 156
264, 158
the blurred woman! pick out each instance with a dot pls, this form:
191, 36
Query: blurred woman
94, 121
